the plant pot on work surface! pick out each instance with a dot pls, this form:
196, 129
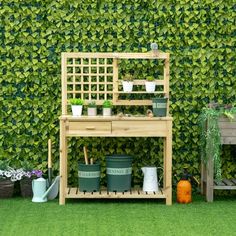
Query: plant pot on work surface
6, 188
159, 106
89, 177
26, 187
119, 169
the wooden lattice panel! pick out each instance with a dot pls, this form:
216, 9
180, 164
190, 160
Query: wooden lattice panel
95, 76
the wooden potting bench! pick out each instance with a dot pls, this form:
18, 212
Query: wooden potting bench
208, 184
95, 76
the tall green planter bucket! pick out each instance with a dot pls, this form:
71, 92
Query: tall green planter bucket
89, 177
159, 106
119, 170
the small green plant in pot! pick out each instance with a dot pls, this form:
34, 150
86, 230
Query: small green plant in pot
150, 84
76, 106
127, 82
92, 108
107, 107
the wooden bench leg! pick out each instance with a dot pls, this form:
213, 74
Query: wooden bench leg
210, 180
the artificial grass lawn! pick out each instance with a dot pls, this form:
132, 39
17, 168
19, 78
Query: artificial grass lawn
20, 216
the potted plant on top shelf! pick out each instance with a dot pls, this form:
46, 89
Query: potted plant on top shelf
76, 106
107, 107
127, 82
150, 84
92, 108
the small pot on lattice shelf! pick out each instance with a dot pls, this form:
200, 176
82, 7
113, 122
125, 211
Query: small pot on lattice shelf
92, 108
76, 106
127, 83
150, 84
107, 108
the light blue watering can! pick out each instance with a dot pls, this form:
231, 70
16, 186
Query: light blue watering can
40, 191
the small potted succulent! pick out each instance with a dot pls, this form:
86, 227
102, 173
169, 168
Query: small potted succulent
150, 84
92, 108
127, 82
76, 106
107, 107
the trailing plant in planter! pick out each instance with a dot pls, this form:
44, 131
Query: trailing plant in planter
210, 139
76, 106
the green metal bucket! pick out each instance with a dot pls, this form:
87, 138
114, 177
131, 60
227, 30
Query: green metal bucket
89, 177
159, 106
119, 170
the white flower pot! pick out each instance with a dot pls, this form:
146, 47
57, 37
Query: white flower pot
127, 86
76, 110
106, 111
92, 111
150, 86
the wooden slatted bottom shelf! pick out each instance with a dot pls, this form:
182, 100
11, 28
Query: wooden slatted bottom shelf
134, 193
225, 184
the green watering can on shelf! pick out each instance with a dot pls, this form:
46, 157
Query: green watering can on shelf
40, 191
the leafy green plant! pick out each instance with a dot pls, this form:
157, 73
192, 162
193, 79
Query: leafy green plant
92, 104
107, 104
150, 78
210, 139
128, 77
76, 101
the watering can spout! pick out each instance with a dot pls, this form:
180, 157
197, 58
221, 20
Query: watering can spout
51, 188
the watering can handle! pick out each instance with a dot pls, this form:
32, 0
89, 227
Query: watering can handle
162, 175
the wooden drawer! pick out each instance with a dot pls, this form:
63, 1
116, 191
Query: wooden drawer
88, 128
140, 128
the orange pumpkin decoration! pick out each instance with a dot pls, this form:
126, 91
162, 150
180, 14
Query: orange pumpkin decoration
184, 191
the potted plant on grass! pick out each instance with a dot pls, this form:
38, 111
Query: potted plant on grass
8, 176
150, 84
26, 182
92, 108
76, 106
107, 106
127, 82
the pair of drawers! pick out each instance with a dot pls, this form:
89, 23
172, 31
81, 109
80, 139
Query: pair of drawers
132, 128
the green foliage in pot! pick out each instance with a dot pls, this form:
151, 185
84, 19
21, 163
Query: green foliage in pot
128, 77
92, 104
107, 104
150, 78
76, 101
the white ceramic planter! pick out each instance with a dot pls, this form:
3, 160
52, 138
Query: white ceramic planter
127, 86
150, 86
76, 110
106, 111
92, 111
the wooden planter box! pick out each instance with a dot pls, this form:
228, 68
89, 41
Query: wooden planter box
208, 184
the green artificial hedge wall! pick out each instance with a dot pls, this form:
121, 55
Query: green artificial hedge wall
200, 36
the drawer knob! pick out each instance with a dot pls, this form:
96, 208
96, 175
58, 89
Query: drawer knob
90, 128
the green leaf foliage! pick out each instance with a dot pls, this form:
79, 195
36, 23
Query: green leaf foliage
201, 39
